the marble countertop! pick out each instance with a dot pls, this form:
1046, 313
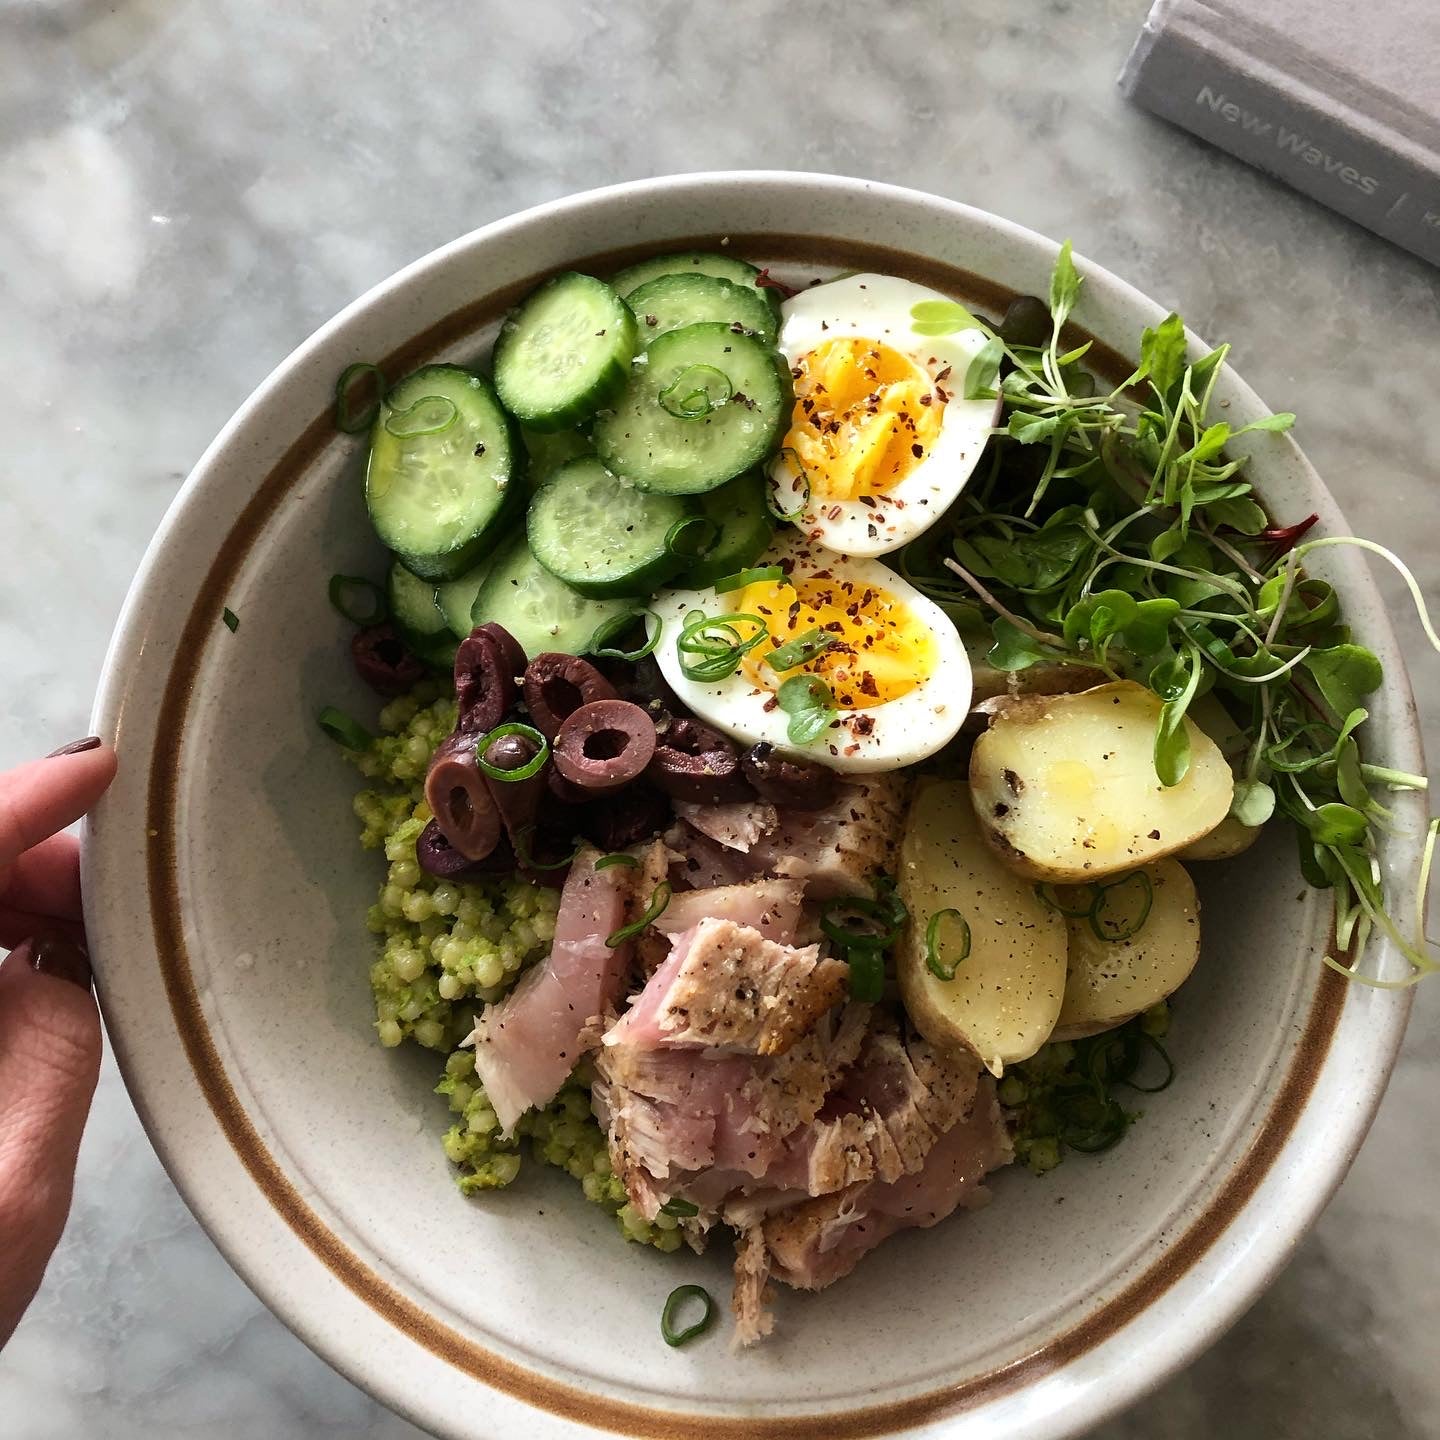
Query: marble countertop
188, 189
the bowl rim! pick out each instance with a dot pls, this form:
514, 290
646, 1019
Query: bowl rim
1188, 1255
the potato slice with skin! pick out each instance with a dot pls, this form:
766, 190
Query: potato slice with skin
1229, 838
1006, 994
1109, 981
1066, 790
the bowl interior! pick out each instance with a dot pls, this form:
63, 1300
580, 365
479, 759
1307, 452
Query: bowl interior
267, 887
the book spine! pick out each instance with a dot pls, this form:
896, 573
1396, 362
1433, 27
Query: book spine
1191, 77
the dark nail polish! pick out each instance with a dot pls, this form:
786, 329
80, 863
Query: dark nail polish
76, 747
65, 960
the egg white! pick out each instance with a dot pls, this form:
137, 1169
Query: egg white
877, 307
905, 730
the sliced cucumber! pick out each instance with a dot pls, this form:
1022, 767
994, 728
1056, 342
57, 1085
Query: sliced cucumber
600, 534
457, 597
738, 508
541, 612
549, 452
674, 431
564, 353
727, 267
670, 302
415, 609
437, 495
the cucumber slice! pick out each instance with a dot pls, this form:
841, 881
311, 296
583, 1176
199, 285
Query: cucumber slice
670, 302
660, 449
435, 498
727, 267
564, 353
738, 508
601, 535
456, 597
415, 609
541, 612
549, 452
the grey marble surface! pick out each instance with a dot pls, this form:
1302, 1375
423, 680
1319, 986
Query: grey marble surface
187, 190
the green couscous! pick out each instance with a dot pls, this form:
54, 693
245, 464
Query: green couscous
446, 948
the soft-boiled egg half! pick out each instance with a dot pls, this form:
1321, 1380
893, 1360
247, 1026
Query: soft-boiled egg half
881, 438
892, 665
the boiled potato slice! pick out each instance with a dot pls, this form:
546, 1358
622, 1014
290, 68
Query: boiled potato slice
1047, 677
1109, 981
1006, 994
1229, 837
1066, 790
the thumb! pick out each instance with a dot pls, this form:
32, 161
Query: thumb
49, 1062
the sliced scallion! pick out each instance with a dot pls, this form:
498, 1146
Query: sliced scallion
618, 858
429, 415
680, 1209
692, 537
800, 651
791, 457
867, 974
347, 419
758, 575
720, 646
617, 625
533, 766
696, 391
343, 730
659, 899
360, 601
937, 965
673, 1303
231, 619
1125, 929
529, 862
1047, 896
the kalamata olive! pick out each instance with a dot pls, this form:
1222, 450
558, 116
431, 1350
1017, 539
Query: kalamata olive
511, 650
558, 685
516, 800
634, 813
437, 856
484, 687
794, 784
1027, 321
563, 790
383, 662
459, 798
694, 762
643, 682
605, 744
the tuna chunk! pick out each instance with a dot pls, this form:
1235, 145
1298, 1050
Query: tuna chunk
816, 1243
770, 906
840, 849
725, 985
737, 826
527, 1044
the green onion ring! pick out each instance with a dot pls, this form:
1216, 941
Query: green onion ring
680, 1209
533, 766
659, 899
1115, 936
345, 419
721, 657
231, 619
867, 974
709, 532
343, 730
527, 861
754, 576
1147, 1039
618, 858
607, 630
429, 415
789, 517
800, 651
875, 910
673, 1302
933, 962
688, 396
344, 589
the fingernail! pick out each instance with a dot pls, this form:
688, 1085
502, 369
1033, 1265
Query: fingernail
52, 955
76, 747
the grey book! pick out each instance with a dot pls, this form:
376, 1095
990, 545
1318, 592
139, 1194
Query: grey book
1339, 99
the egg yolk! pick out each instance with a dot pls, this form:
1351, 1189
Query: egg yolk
880, 649
865, 416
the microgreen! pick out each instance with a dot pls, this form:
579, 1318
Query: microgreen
1117, 529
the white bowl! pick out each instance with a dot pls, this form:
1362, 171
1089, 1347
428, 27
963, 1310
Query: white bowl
225, 896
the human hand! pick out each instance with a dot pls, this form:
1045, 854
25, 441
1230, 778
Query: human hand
49, 1026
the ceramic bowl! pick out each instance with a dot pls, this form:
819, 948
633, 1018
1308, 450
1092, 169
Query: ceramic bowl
226, 897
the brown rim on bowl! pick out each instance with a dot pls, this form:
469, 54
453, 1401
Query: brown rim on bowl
384, 1299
